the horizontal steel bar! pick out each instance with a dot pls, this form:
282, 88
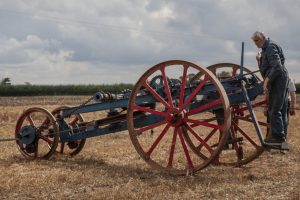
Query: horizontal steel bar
141, 121
121, 103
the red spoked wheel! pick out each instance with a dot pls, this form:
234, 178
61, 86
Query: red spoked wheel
182, 110
223, 70
243, 144
74, 147
37, 133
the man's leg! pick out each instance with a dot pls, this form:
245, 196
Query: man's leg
277, 105
285, 115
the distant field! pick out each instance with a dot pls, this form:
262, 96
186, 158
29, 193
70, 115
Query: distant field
110, 168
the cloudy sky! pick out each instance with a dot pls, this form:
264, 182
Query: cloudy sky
101, 41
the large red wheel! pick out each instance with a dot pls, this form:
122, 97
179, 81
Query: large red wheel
223, 70
74, 147
184, 109
37, 133
243, 144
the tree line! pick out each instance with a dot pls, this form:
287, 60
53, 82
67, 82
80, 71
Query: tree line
27, 89
53, 90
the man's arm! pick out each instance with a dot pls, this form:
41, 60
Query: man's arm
266, 82
274, 61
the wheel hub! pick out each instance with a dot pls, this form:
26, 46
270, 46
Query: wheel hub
176, 117
27, 134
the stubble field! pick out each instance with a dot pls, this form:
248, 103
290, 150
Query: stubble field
109, 168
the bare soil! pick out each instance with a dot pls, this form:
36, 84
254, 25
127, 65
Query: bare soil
109, 168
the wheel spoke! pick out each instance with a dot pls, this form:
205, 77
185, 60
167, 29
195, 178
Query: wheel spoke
203, 142
166, 85
146, 128
46, 121
245, 135
45, 138
207, 138
195, 77
158, 139
182, 88
246, 118
30, 120
203, 123
205, 120
155, 112
204, 107
198, 88
172, 148
257, 104
74, 121
186, 152
234, 70
156, 96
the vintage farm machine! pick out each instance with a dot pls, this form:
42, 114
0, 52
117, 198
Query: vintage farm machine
180, 116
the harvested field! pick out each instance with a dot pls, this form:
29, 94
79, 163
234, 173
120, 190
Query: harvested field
109, 168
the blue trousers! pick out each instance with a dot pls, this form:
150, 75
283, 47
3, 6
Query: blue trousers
278, 105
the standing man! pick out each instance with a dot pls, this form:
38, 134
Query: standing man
272, 69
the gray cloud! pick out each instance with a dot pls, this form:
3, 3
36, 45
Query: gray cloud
115, 41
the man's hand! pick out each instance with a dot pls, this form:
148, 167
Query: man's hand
266, 107
258, 56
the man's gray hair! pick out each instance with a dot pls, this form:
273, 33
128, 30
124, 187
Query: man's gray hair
259, 34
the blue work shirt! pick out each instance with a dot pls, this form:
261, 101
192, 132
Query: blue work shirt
271, 61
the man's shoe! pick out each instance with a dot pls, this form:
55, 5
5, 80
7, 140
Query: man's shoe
274, 140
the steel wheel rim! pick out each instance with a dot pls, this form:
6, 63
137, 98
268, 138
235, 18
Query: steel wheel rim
258, 149
179, 132
81, 143
52, 143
